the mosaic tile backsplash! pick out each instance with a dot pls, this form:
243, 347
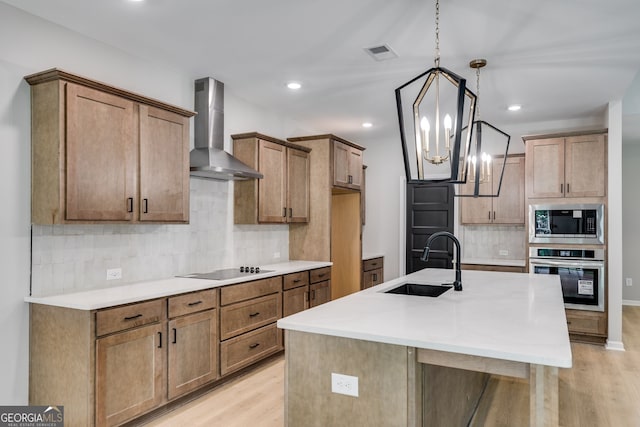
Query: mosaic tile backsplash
71, 258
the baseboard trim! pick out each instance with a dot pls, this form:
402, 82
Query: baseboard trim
631, 302
614, 345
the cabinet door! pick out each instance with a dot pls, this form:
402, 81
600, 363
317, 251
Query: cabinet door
295, 300
475, 210
340, 164
354, 173
164, 166
545, 167
347, 166
193, 352
371, 278
298, 174
320, 293
272, 188
585, 166
129, 373
101, 163
508, 208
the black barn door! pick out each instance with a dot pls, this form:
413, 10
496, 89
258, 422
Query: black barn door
429, 210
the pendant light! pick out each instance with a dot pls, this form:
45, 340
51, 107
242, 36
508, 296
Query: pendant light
435, 111
488, 154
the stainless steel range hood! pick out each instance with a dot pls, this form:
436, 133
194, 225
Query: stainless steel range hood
208, 159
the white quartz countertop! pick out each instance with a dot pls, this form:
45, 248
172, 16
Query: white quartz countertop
135, 292
509, 316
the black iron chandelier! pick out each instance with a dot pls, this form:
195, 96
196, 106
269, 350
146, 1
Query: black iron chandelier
435, 114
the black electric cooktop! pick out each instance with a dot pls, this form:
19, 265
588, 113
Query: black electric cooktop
228, 273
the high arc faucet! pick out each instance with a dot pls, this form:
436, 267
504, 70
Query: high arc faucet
457, 284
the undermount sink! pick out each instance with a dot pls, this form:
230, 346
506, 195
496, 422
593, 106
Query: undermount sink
420, 289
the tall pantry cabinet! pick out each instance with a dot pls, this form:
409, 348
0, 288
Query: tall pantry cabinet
334, 230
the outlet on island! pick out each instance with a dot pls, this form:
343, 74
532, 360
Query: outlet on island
503, 252
344, 384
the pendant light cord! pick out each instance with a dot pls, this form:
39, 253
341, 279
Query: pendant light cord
437, 60
478, 93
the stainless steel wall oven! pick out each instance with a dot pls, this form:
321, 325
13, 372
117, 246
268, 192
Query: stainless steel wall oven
581, 271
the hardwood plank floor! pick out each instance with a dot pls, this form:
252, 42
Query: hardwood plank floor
601, 390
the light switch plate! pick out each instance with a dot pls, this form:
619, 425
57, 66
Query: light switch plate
344, 384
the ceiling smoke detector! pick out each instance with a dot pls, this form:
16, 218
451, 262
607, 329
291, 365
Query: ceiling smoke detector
381, 53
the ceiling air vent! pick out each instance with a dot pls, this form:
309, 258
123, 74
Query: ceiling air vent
381, 53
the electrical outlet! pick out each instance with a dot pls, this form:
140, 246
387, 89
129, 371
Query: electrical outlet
114, 273
344, 384
276, 255
504, 252
629, 281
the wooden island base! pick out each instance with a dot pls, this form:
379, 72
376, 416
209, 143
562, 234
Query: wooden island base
399, 385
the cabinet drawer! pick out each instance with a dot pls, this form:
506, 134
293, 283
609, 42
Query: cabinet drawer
245, 291
129, 316
372, 264
192, 302
295, 280
320, 274
245, 316
249, 348
371, 278
586, 323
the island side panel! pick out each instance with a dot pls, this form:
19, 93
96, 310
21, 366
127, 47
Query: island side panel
388, 380
543, 396
451, 395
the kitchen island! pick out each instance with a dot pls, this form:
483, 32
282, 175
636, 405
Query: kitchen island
413, 360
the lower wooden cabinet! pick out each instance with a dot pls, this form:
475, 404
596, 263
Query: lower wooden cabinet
113, 365
193, 352
295, 300
130, 370
248, 348
587, 325
319, 293
248, 319
372, 272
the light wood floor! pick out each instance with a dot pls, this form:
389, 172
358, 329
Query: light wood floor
601, 390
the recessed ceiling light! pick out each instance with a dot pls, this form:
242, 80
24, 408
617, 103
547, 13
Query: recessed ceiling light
136, 1
294, 85
367, 125
514, 107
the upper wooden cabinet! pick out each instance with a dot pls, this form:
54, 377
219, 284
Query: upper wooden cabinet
566, 166
104, 154
283, 194
347, 165
507, 208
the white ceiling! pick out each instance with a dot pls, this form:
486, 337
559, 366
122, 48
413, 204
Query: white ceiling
559, 59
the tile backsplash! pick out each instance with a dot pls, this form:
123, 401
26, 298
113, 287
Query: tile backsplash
71, 258
493, 242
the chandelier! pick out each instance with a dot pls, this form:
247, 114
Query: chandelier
435, 113
488, 153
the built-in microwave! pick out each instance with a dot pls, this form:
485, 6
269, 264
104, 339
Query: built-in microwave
574, 224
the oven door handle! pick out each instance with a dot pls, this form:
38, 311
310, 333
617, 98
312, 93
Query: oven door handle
579, 264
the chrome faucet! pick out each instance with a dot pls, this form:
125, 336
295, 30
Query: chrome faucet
457, 285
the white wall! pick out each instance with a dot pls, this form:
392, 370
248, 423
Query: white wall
62, 253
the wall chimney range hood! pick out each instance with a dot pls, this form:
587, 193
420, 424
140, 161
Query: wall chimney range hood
208, 159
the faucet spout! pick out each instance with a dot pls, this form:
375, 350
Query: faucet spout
457, 284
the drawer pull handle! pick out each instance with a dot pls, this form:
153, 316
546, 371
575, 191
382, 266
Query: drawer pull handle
191, 304
321, 275
296, 280
374, 263
568, 323
254, 314
160, 336
175, 335
252, 346
133, 317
